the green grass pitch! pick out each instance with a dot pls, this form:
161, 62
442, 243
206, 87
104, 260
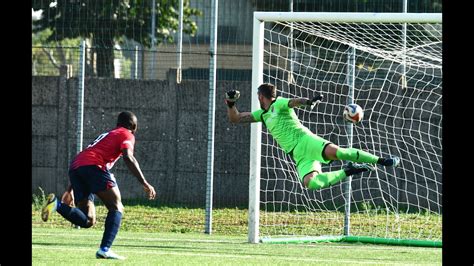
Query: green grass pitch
69, 246
165, 235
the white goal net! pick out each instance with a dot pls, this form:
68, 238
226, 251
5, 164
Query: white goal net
392, 69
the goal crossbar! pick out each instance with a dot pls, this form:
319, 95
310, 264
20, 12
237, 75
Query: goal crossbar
349, 17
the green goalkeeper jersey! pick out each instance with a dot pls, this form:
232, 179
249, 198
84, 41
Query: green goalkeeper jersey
282, 122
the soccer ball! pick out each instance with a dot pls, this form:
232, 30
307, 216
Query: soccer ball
353, 113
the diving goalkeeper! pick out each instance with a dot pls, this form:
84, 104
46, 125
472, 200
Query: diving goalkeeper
306, 148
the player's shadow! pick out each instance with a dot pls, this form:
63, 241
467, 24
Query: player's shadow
58, 244
183, 248
188, 249
223, 250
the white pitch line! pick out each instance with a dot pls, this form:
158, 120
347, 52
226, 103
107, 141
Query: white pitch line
124, 252
144, 239
338, 245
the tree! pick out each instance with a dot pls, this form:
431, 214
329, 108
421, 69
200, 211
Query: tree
48, 57
106, 22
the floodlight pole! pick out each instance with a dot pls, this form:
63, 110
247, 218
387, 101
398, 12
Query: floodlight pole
403, 80
292, 52
153, 25
80, 97
80, 102
211, 115
180, 44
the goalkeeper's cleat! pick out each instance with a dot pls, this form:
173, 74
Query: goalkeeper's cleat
357, 168
109, 254
50, 207
394, 161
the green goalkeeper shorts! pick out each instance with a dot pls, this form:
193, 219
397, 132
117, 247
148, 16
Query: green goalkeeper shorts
308, 154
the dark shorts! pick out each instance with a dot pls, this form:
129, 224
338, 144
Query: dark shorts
88, 180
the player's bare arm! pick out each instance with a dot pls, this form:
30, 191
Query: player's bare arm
297, 102
234, 115
134, 167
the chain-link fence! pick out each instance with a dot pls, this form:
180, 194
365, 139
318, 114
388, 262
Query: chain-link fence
133, 40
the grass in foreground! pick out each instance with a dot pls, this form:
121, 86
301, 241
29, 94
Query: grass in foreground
233, 221
165, 235
68, 246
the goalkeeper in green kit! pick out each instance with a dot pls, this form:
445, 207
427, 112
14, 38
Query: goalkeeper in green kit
306, 148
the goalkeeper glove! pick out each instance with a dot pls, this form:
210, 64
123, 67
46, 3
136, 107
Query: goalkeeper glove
231, 97
316, 99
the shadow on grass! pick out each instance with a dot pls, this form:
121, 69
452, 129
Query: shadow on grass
226, 250
159, 204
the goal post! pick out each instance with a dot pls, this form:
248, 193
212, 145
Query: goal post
255, 134
390, 64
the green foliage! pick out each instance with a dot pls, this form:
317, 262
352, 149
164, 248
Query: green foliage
39, 200
125, 64
108, 20
48, 56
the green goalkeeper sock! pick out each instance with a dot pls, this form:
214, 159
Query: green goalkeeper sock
355, 155
326, 179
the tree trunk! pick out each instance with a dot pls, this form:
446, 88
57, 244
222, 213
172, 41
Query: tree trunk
105, 57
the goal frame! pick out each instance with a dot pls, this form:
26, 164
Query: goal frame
259, 18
